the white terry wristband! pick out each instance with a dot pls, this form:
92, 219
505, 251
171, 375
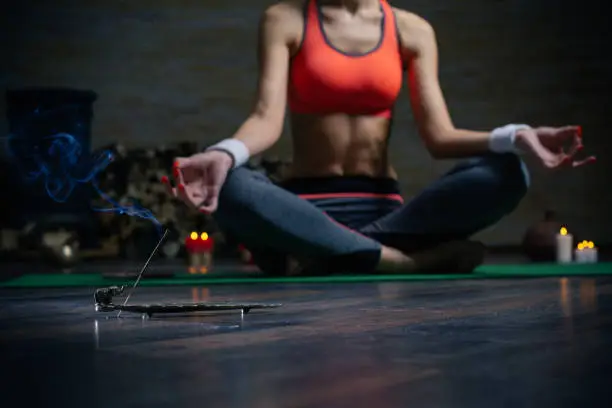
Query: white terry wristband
235, 148
502, 138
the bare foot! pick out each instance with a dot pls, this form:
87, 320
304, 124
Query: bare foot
450, 257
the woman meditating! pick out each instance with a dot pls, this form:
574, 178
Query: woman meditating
339, 65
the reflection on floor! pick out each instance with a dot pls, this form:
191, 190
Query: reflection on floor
502, 343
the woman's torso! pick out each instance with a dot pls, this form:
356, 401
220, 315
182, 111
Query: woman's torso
346, 73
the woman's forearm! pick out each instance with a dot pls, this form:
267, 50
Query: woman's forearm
460, 143
259, 133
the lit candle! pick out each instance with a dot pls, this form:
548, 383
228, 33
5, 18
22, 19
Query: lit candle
191, 245
565, 244
580, 254
586, 252
591, 252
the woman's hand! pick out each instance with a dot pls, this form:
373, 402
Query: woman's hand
199, 179
554, 147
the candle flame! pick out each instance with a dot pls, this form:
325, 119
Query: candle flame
580, 246
204, 236
563, 231
591, 245
194, 235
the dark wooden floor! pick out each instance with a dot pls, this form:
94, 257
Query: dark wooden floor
515, 343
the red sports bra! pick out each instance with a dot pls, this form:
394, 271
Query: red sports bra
325, 80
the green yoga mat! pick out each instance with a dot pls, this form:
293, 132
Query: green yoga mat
483, 272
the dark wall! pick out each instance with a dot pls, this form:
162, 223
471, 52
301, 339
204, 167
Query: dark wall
173, 70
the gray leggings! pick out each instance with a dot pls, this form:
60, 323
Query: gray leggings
346, 231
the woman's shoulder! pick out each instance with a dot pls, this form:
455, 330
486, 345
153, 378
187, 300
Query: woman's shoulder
409, 21
286, 9
414, 31
287, 14
284, 19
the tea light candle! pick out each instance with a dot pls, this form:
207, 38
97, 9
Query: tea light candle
564, 246
586, 252
580, 254
591, 252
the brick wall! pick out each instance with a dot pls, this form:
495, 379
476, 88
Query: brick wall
169, 70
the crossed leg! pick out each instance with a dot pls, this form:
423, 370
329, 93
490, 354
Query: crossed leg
472, 196
273, 222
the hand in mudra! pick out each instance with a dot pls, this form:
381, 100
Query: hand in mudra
554, 147
199, 179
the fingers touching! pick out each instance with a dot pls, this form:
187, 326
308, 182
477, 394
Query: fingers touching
574, 133
176, 180
565, 157
194, 192
576, 147
588, 160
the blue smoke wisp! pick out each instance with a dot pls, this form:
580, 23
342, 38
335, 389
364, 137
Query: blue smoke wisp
58, 162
